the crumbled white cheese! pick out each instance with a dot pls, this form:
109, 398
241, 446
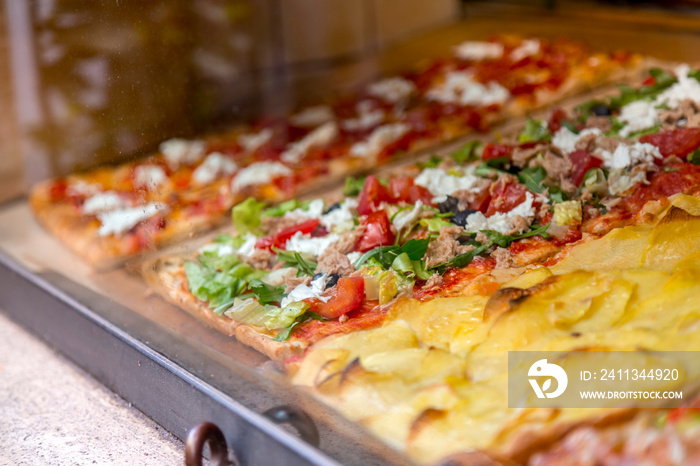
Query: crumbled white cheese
565, 140
472, 50
312, 116
149, 176
367, 117
461, 88
629, 156
392, 90
116, 222
302, 292
306, 244
407, 217
638, 115
248, 247
182, 151
321, 136
685, 88
379, 139
353, 256
441, 184
259, 173
103, 202
253, 141
216, 164
528, 48
338, 219
225, 250
502, 222
342, 218
83, 188
313, 210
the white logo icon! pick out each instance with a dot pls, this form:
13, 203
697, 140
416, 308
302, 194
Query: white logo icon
542, 368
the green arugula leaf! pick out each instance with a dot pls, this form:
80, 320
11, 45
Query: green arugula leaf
617, 125
294, 259
353, 186
467, 153
246, 216
385, 255
642, 132
569, 126
533, 177
267, 293
694, 157
557, 195
462, 260
535, 130
433, 162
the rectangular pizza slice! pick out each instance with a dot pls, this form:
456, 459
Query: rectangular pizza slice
112, 213
460, 225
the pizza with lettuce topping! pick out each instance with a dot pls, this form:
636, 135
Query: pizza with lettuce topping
112, 213
459, 225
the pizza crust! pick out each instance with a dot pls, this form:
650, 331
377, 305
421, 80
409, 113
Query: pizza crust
165, 275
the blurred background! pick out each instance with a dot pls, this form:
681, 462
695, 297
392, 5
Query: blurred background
88, 83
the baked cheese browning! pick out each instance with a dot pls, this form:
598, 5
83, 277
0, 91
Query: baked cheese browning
189, 185
433, 379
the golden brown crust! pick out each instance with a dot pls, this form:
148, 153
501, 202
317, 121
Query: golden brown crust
166, 277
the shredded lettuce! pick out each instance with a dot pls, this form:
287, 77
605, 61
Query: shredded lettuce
467, 153
535, 130
246, 216
283, 208
284, 317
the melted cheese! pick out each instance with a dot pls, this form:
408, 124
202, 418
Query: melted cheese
150, 177
252, 142
259, 173
215, 165
312, 116
460, 88
378, 140
103, 202
477, 51
118, 221
392, 90
306, 244
321, 136
182, 152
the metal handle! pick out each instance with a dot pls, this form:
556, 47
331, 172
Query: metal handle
200, 435
298, 419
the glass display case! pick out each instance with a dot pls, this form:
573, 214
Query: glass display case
85, 85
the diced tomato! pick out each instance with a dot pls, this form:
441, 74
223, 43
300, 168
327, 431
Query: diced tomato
57, 190
481, 201
377, 231
676, 414
678, 142
419, 193
582, 161
558, 115
345, 296
280, 239
650, 81
373, 194
495, 151
505, 197
400, 187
